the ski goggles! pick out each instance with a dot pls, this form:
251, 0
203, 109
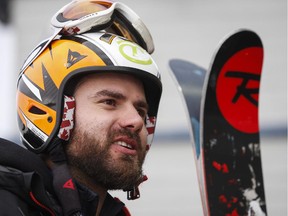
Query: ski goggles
81, 16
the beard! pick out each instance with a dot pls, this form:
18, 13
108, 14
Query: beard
93, 157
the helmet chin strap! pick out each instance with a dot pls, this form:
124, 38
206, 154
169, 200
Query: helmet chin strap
134, 193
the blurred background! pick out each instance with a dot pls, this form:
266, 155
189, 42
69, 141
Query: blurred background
186, 29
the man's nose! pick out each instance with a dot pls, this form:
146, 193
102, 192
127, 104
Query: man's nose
131, 119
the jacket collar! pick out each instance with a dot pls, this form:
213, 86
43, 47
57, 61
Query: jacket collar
89, 202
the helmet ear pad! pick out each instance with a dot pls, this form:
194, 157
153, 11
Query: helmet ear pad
68, 114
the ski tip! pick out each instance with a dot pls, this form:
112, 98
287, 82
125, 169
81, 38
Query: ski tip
185, 65
176, 62
246, 32
240, 39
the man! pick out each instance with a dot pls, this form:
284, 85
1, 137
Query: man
87, 107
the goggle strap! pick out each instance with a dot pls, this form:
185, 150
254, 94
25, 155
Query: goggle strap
33, 55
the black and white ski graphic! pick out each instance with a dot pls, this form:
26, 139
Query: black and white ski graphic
230, 128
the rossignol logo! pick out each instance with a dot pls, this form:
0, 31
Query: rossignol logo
134, 53
237, 89
242, 89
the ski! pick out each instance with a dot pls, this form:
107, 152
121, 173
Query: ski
229, 133
222, 108
190, 78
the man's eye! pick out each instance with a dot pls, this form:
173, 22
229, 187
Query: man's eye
110, 102
142, 113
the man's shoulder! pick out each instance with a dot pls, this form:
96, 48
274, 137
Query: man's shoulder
14, 157
25, 180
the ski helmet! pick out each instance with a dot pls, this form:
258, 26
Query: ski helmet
46, 87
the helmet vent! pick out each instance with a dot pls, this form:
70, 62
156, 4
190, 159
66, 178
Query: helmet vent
36, 110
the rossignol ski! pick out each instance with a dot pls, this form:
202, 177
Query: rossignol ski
230, 128
229, 161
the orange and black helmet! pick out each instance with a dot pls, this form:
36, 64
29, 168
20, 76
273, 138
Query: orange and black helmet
44, 86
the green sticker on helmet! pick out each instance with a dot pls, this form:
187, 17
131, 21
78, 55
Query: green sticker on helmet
134, 53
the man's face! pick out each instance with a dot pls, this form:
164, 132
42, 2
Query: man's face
109, 140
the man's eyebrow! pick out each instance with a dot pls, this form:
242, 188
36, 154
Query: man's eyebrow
117, 95
109, 93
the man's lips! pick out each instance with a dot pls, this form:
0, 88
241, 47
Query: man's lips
126, 145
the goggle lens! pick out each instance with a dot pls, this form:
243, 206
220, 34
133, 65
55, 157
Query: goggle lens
80, 9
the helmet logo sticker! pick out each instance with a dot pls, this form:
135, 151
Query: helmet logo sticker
34, 129
134, 53
73, 58
108, 38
